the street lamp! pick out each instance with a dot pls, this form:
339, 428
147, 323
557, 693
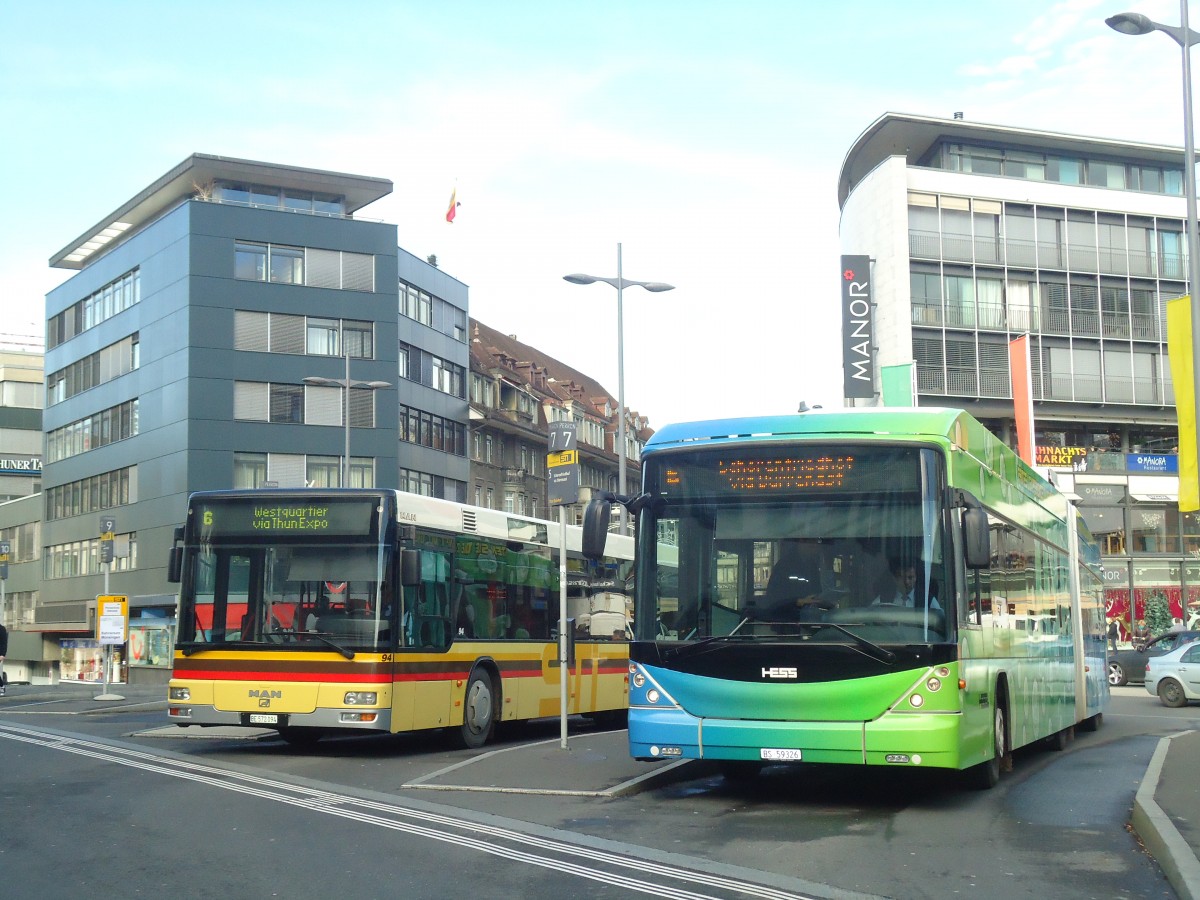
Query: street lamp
620, 283
1136, 23
346, 384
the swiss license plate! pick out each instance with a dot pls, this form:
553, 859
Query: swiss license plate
264, 719
780, 753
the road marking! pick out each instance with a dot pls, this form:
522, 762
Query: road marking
632, 873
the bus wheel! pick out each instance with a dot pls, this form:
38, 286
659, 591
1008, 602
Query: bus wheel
479, 711
986, 775
1060, 739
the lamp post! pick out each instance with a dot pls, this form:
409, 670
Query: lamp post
346, 384
1136, 23
620, 283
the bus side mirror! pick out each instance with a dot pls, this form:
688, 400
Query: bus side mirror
410, 567
976, 538
175, 558
596, 516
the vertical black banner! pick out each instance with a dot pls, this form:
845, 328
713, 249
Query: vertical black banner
858, 328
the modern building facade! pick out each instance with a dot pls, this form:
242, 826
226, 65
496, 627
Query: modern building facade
182, 357
219, 328
979, 234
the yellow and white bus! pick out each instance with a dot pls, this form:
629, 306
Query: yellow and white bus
313, 612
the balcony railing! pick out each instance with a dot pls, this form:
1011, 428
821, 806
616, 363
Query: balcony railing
1115, 324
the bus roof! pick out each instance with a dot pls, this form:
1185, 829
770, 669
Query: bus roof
910, 421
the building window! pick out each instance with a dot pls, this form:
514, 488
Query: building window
432, 371
287, 265
98, 368
323, 337
91, 494
287, 404
76, 558
435, 432
314, 267
250, 261
323, 471
97, 430
434, 312
115, 297
249, 469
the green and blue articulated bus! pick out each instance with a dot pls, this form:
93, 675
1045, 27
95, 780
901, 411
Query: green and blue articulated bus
882, 587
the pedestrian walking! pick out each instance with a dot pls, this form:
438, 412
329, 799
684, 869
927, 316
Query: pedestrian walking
3, 653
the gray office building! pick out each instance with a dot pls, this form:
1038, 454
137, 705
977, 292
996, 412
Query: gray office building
183, 357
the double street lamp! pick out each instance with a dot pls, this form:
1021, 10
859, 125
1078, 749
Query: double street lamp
346, 384
620, 283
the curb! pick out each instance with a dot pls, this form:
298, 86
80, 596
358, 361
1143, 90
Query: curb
1158, 832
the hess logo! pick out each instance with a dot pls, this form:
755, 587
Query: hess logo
780, 672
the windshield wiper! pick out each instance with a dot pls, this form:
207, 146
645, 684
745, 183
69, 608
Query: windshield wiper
690, 649
321, 636
881, 653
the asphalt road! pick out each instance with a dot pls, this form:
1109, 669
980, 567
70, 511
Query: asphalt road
226, 816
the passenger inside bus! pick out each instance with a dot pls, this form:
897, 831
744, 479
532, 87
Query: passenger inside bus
794, 590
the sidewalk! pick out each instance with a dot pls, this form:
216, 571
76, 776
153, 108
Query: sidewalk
1166, 811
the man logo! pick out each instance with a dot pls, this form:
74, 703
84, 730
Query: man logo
780, 672
264, 696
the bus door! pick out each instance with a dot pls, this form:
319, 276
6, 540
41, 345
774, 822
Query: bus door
422, 698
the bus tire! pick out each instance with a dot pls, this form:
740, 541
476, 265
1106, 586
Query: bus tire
479, 711
1060, 739
986, 775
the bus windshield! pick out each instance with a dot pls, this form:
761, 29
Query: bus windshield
287, 594
786, 542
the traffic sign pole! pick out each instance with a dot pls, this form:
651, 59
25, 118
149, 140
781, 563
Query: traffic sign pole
108, 525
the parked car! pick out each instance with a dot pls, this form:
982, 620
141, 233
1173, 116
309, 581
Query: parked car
1129, 665
1174, 677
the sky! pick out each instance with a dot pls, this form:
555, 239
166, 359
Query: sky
704, 137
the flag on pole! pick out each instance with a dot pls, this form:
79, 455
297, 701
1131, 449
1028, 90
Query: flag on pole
453, 206
1022, 390
1179, 351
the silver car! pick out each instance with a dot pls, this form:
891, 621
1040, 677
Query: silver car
1175, 677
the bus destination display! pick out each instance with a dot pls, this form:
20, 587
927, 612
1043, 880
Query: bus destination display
245, 518
866, 469
785, 473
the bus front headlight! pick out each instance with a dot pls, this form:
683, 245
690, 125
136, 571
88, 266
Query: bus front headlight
360, 698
